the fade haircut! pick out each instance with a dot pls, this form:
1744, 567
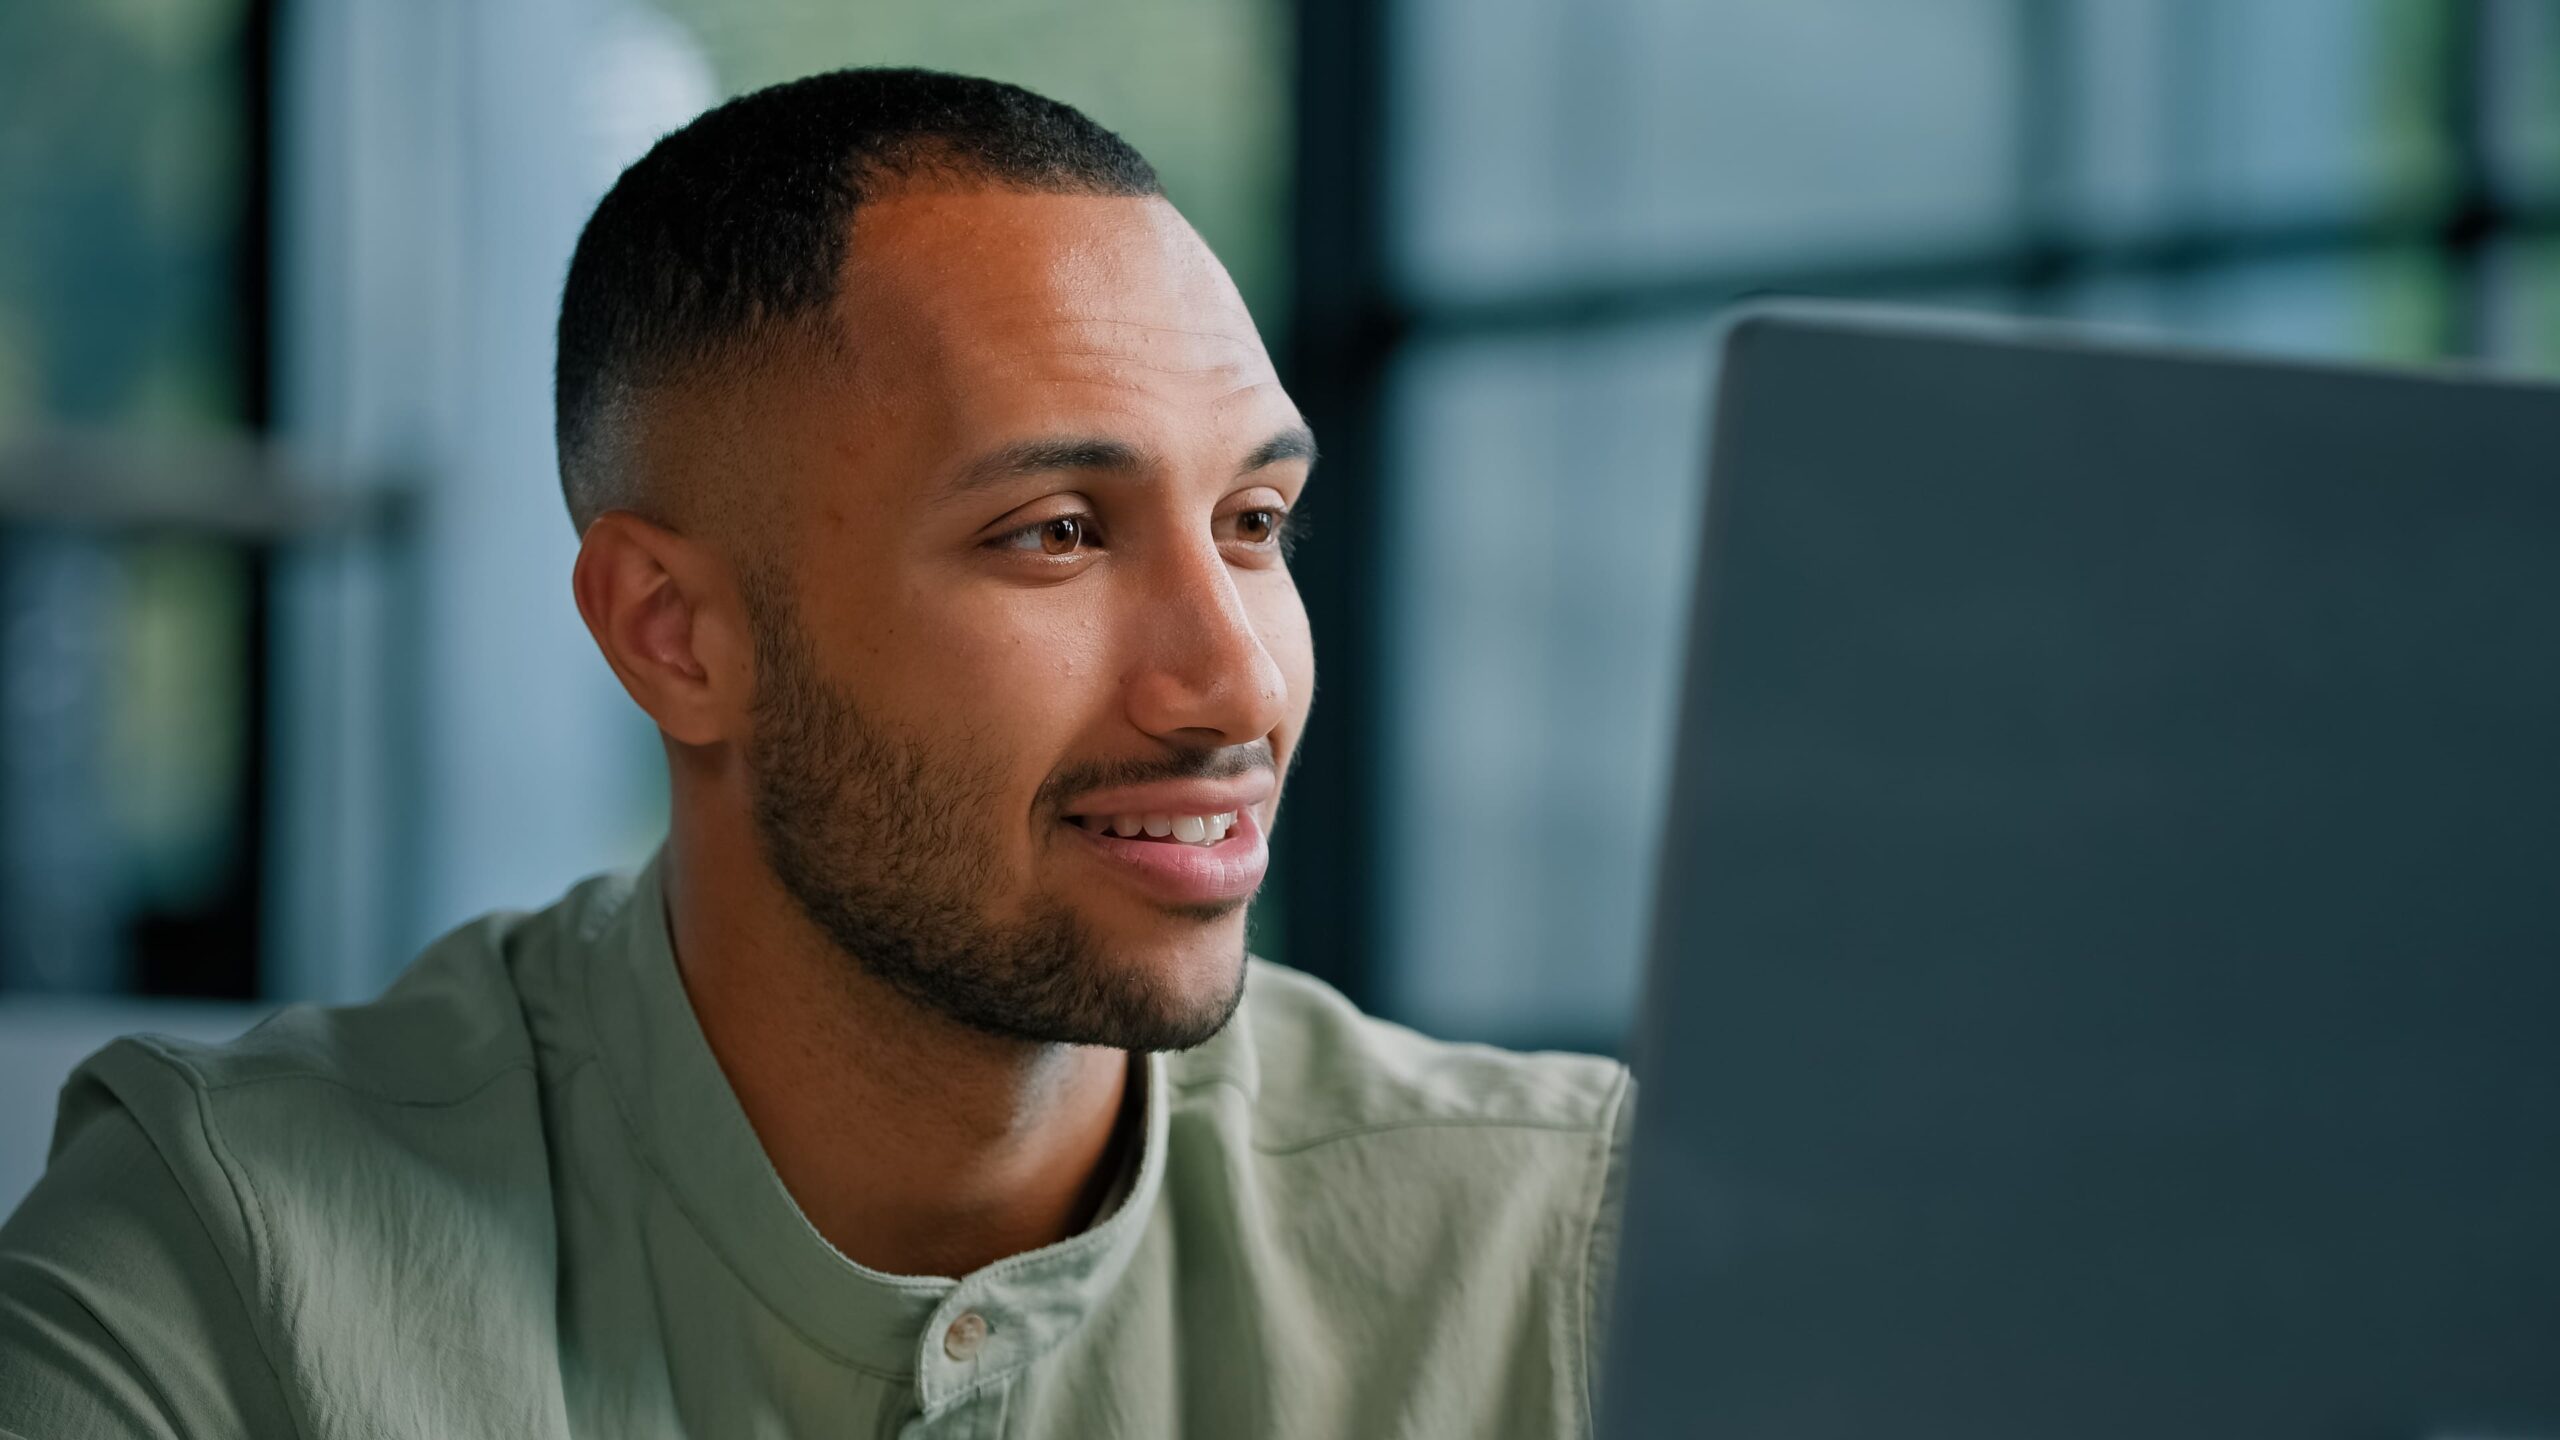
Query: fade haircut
728, 237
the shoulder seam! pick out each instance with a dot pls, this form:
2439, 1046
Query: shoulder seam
150, 1382
1601, 1123
251, 1219
204, 1084
1425, 1122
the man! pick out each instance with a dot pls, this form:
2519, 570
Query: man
935, 493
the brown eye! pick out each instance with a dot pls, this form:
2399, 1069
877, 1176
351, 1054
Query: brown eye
1256, 527
1062, 535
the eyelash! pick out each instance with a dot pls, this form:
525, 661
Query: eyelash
1287, 530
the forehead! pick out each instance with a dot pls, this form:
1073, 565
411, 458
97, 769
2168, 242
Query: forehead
972, 311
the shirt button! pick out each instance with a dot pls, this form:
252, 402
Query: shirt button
965, 1335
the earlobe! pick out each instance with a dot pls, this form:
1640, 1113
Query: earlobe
647, 595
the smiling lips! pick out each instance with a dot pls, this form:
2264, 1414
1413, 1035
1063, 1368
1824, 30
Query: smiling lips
1191, 844
1181, 829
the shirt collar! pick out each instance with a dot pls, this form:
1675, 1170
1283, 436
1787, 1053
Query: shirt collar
697, 1138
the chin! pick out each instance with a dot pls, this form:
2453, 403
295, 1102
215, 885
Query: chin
1191, 961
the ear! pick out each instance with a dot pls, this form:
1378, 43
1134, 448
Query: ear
667, 615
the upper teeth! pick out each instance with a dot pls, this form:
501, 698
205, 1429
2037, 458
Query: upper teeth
1188, 829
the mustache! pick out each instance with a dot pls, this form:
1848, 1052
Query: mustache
1224, 763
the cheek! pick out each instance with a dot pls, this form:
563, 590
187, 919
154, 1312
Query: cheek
1016, 675
976, 655
1281, 618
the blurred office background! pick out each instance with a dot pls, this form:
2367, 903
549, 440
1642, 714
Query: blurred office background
289, 677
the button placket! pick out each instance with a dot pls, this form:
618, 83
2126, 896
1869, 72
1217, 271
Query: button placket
963, 1341
965, 1336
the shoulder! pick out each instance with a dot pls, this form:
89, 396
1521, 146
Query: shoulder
454, 1023
293, 1177
1419, 1205
120, 1313
290, 1127
325, 1124
243, 1122
1311, 1068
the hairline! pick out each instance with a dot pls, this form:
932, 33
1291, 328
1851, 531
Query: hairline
618, 416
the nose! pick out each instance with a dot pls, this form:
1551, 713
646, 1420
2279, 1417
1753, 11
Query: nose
1204, 679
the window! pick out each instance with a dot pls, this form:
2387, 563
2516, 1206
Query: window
132, 330
1200, 89
1568, 193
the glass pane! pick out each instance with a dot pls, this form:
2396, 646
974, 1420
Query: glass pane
2386, 305
2316, 107
2121, 67
1200, 88
2234, 112
1541, 141
1542, 529
2525, 96
2532, 308
2143, 303
2392, 305
125, 687
58, 600
120, 209
124, 669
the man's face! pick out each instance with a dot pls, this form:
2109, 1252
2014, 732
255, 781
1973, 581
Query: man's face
1029, 596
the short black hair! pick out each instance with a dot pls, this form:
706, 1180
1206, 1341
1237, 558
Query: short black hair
736, 227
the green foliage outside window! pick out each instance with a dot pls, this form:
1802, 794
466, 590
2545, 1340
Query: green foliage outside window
1200, 88
121, 172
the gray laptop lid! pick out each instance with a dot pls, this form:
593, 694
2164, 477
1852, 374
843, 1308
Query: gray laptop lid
2107, 971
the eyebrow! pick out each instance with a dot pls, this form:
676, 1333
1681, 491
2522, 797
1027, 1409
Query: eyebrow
1295, 443
1040, 457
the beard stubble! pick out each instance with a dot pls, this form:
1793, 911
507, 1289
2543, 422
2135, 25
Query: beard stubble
885, 846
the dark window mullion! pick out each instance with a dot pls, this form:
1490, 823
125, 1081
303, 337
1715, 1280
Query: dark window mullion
1342, 334
2048, 130
2466, 92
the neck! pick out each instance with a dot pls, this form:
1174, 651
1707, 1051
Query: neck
914, 1144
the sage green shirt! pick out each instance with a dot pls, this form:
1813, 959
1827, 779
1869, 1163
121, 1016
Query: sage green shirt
515, 1197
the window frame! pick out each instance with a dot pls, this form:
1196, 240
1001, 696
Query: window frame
1352, 322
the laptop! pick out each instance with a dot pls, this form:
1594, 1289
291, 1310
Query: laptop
2106, 973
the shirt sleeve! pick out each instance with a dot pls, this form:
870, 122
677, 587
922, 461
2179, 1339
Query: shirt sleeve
118, 1315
